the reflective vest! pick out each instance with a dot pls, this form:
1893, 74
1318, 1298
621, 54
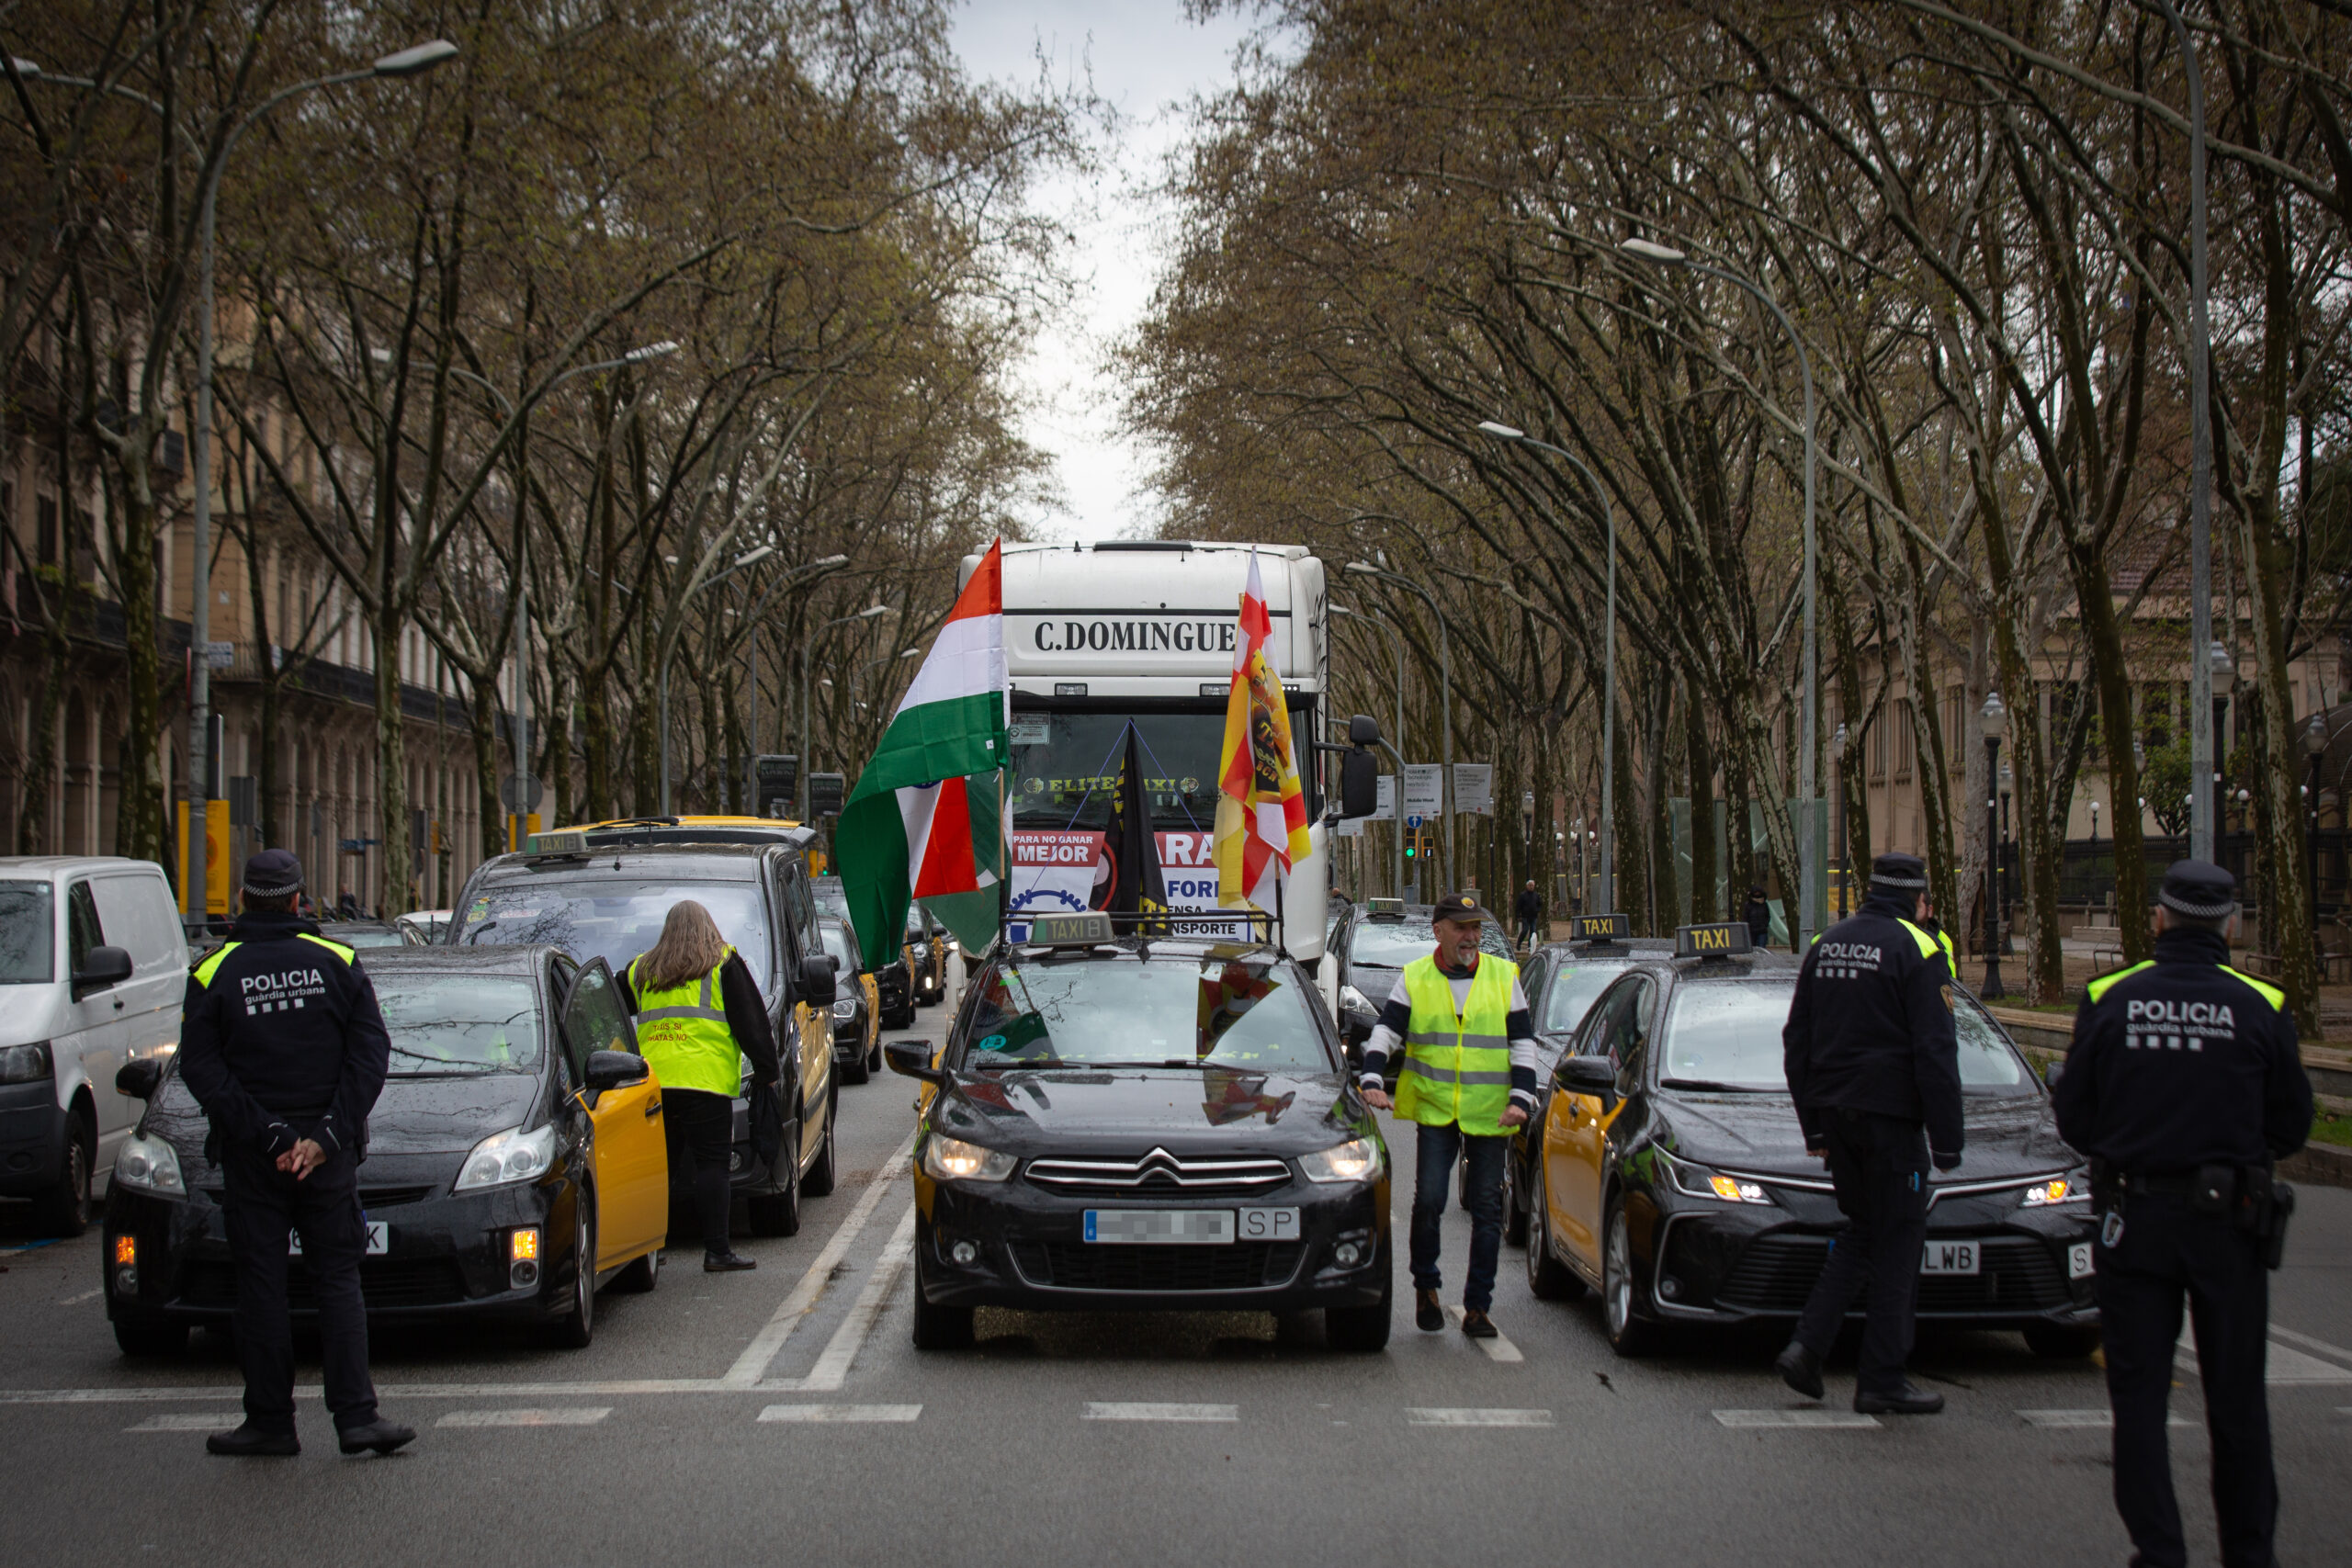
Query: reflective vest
2100, 986
682, 1033
1928, 942
1457, 1067
212, 961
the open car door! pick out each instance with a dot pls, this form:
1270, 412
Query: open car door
631, 1158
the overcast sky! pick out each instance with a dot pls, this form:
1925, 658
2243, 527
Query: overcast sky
1146, 61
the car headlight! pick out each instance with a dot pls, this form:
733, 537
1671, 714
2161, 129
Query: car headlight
2073, 1188
1698, 1181
149, 1164
25, 1064
1353, 1000
953, 1159
1358, 1159
511, 1155
846, 1008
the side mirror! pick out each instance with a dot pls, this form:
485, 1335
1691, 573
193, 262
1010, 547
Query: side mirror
1359, 783
101, 967
1364, 730
1586, 1074
913, 1058
610, 1069
139, 1079
816, 976
2050, 1069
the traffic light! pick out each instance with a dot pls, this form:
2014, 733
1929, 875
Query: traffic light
1412, 843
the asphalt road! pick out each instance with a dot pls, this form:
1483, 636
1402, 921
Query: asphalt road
783, 1416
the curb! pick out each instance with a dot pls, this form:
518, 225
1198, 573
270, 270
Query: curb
2321, 1165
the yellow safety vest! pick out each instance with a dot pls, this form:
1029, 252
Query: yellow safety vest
212, 961
1457, 1066
682, 1033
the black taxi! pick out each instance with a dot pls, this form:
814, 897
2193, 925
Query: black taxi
1129, 1121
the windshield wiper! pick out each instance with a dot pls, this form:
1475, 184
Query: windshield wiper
1011, 1064
1715, 1085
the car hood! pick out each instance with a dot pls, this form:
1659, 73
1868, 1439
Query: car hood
413, 1116
1374, 981
1197, 1111
2010, 1135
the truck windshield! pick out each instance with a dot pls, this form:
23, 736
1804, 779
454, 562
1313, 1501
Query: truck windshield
1065, 766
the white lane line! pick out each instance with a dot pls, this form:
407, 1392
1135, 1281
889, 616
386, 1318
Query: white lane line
1809, 1417
2064, 1420
1118, 1410
832, 1366
2288, 1335
77, 1301
837, 1414
190, 1421
1462, 1417
752, 1364
2282, 1367
578, 1415
1498, 1348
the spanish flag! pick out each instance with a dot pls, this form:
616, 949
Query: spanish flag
1260, 808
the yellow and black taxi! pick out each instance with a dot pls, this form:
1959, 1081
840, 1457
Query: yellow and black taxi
857, 1020
514, 1160
894, 988
1669, 1172
926, 956
609, 901
1126, 1122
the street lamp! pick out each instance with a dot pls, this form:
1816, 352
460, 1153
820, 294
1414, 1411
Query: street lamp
1445, 698
807, 708
1992, 722
749, 557
1609, 650
2224, 675
1395, 802
2314, 748
1837, 758
1809, 868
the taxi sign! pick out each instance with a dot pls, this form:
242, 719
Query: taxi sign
1724, 938
1600, 928
570, 841
1089, 929
1386, 909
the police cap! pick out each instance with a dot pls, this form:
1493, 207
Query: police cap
2198, 889
273, 874
1903, 873
1460, 908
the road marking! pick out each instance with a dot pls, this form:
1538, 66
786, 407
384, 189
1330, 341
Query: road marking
578, 1415
1426, 1417
832, 1366
2283, 1367
77, 1301
1806, 1416
1498, 1348
1115, 1410
191, 1421
752, 1364
838, 1414
2062, 1420
2308, 1343
28, 1246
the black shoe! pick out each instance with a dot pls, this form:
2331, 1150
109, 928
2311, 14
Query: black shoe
379, 1434
728, 1262
1904, 1400
250, 1441
1478, 1325
1428, 1315
1800, 1369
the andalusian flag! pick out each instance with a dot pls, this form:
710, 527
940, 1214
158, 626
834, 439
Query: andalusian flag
927, 818
1260, 807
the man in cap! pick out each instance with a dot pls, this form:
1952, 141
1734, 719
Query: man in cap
283, 1046
2183, 1085
1527, 909
1468, 1078
1874, 1065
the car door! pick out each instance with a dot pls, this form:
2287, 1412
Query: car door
631, 1158
812, 1022
97, 1044
1576, 1132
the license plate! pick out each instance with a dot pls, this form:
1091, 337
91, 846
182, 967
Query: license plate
1948, 1258
2078, 1260
1269, 1225
1181, 1227
379, 1239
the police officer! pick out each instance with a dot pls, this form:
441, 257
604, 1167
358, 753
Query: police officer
283, 1047
1468, 1078
1874, 1065
2182, 1085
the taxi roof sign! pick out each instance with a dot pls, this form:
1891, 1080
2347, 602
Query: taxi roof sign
1090, 930
1600, 928
1724, 938
569, 842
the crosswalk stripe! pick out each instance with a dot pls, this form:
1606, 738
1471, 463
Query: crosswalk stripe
1462, 1417
190, 1421
837, 1413
574, 1415
2061, 1420
1498, 1348
1807, 1416
1119, 1410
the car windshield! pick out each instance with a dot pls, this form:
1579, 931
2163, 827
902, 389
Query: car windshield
837, 945
1171, 1011
916, 929
367, 936
1727, 1035
1571, 994
27, 933
830, 896
444, 1024
615, 920
1392, 945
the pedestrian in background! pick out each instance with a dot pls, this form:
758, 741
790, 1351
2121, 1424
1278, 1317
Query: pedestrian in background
1874, 1065
699, 1015
287, 1090
1528, 909
2184, 1083
1758, 916
1468, 1078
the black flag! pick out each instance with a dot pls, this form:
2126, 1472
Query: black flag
1137, 886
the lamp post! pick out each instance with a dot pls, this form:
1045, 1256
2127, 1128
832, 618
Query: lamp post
2224, 675
1396, 801
808, 707
749, 557
1992, 722
2315, 750
1609, 645
1838, 759
1445, 698
2007, 789
1808, 864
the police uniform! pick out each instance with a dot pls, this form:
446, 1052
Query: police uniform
2183, 1084
1873, 1066
281, 1042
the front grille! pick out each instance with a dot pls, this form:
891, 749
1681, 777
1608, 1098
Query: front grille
392, 1197
1075, 1266
2016, 1274
384, 1283
1159, 1172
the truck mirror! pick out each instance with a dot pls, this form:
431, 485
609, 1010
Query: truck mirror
1364, 730
1359, 783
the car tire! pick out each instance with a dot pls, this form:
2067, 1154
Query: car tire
150, 1339
778, 1213
937, 1328
855, 1069
2056, 1342
1547, 1277
823, 1170
1361, 1331
1629, 1335
64, 1209
1514, 1215
641, 1274
904, 1019
577, 1327
874, 1058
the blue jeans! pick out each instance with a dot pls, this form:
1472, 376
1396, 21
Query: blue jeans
1437, 1151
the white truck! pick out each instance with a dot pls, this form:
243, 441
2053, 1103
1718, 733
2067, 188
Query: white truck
1097, 637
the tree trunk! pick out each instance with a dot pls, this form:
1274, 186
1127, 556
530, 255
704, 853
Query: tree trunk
485, 738
392, 768
41, 748
139, 809
1630, 876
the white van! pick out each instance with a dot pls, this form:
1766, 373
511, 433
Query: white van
92, 969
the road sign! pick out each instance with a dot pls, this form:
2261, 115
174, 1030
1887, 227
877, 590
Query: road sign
778, 776
1424, 789
825, 791
219, 655
520, 792
1386, 811
1474, 788
1413, 821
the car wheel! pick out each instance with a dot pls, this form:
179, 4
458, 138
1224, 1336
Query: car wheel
1628, 1334
2055, 1342
151, 1338
1362, 1330
904, 1019
778, 1213
1515, 1215
64, 1209
576, 1328
819, 1182
855, 1069
641, 1275
874, 1058
1551, 1280
937, 1328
